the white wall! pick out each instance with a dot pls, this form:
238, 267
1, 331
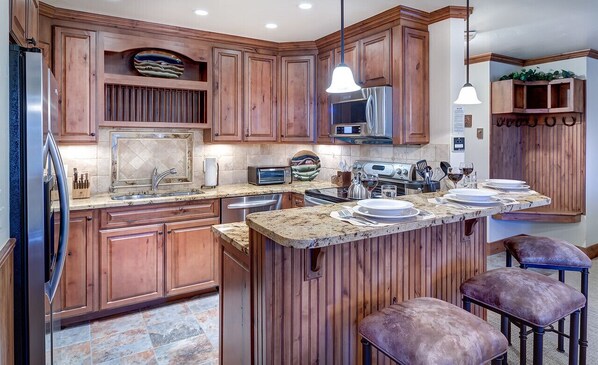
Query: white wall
591, 152
447, 75
4, 213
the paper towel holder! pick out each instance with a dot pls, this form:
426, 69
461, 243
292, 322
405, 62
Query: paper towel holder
217, 176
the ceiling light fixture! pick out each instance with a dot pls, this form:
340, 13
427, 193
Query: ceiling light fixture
201, 12
305, 6
271, 26
342, 77
467, 95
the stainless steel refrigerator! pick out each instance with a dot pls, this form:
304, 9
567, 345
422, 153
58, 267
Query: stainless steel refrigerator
35, 170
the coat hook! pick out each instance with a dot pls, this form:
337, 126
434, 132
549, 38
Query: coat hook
553, 122
510, 122
535, 123
500, 121
573, 119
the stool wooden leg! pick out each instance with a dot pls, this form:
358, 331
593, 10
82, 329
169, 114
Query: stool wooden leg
538, 345
561, 327
583, 333
523, 345
367, 352
574, 332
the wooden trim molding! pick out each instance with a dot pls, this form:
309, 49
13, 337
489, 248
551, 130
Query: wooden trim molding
591, 53
6, 250
487, 57
458, 12
591, 251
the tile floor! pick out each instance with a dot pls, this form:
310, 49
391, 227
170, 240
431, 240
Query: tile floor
180, 333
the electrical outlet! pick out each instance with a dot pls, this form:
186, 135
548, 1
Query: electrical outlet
480, 133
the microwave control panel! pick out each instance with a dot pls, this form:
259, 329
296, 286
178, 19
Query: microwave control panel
348, 130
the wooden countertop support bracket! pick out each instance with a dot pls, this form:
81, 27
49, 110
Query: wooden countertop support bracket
313, 263
470, 226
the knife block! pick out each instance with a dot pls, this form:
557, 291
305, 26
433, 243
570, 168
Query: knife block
83, 193
342, 178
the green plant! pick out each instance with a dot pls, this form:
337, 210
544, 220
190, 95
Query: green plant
536, 75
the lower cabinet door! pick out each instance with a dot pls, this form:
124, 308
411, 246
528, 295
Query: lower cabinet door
131, 265
190, 256
77, 282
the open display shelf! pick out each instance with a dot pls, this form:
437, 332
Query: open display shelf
538, 134
134, 100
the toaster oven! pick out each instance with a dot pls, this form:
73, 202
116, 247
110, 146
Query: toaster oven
269, 175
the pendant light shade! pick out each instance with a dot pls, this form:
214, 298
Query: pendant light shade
467, 95
342, 77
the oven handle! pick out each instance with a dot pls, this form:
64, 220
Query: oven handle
256, 204
316, 201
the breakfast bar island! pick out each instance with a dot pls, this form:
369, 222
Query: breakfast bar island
296, 283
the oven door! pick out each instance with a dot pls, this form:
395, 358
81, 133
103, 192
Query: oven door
311, 201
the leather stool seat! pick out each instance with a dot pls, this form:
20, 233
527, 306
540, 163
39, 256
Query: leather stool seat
532, 250
431, 331
527, 295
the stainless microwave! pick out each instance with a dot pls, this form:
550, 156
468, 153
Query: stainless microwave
269, 175
363, 117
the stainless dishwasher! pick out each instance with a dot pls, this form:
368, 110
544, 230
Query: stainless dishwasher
236, 209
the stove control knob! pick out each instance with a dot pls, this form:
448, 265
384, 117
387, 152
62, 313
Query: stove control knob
405, 172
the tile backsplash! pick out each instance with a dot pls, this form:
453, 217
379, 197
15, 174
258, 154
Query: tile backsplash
233, 159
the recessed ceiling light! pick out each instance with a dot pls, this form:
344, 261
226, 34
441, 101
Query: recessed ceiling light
305, 6
271, 26
201, 12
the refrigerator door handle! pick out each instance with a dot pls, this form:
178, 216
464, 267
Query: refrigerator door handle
52, 285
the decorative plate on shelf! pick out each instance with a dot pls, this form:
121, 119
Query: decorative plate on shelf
158, 64
305, 165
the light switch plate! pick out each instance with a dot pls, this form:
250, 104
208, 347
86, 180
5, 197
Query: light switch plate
468, 121
480, 133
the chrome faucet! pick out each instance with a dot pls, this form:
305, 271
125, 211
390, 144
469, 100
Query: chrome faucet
156, 178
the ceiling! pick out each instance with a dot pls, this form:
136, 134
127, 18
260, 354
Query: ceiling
517, 28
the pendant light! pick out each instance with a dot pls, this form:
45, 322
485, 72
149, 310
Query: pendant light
467, 95
342, 77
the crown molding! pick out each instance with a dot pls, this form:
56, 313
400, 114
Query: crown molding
591, 53
487, 57
458, 12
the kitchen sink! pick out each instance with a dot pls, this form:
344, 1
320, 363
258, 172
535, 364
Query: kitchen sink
155, 195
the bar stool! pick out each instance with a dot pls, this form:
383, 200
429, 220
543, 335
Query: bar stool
430, 331
552, 254
530, 300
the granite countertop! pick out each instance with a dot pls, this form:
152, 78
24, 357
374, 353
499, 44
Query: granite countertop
104, 200
311, 227
236, 234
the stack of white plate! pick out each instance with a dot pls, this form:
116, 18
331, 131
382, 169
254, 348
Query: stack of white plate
385, 209
506, 184
473, 196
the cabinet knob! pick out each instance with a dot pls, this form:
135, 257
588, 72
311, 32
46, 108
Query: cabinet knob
169, 231
31, 41
89, 218
92, 134
282, 136
216, 134
69, 253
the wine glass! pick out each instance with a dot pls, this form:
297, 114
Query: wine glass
467, 168
455, 175
370, 181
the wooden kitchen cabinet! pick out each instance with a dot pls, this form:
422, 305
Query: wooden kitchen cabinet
260, 97
375, 60
411, 116
24, 22
190, 253
324, 66
235, 347
75, 69
352, 57
77, 288
131, 265
228, 96
297, 98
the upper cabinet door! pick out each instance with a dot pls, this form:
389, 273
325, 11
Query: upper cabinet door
33, 22
260, 98
75, 68
297, 98
18, 21
375, 60
228, 96
416, 116
324, 68
351, 59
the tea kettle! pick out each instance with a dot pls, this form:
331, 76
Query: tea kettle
356, 189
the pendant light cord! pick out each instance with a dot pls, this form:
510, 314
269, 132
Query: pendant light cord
343, 32
467, 46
